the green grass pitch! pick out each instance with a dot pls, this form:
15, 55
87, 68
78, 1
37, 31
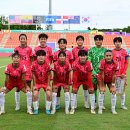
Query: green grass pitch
81, 120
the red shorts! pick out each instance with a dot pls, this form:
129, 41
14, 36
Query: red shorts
44, 86
61, 85
28, 76
106, 80
88, 85
19, 86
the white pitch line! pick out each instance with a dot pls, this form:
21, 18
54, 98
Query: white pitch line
2, 66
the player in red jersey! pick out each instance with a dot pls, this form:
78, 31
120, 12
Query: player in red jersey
62, 78
25, 59
62, 42
15, 77
82, 75
41, 79
107, 76
80, 46
121, 56
43, 46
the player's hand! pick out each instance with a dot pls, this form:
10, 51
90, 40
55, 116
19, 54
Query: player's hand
71, 83
123, 76
95, 75
113, 85
2, 89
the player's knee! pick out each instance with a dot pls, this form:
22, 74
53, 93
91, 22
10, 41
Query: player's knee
113, 91
55, 89
48, 94
74, 90
49, 97
17, 90
66, 89
91, 91
85, 87
102, 90
35, 97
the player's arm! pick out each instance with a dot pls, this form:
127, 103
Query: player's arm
24, 80
3, 89
125, 66
55, 57
31, 56
49, 78
74, 76
31, 59
90, 59
51, 56
101, 73
6, 79
34, 79
34, 54
114, 79
89, 55
73, 55
7, 73
74, 73
70, 58
70, 75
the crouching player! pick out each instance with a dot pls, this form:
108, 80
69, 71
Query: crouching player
82, 75
62, 78
107, 76
15, 77
41, 79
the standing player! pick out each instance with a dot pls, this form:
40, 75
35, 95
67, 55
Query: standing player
62, 42
82, 75
107, 76
15, 77
80, 42
41, 79
95, 55
62, 78
43, 46
25, 59
121, 57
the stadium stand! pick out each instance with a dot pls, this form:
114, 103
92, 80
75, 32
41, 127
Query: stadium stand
11, 39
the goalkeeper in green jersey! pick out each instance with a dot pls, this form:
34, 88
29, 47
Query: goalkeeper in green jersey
95, 55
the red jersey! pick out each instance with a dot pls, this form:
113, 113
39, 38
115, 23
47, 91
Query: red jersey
69, 57
109, 70
48, 50
15, 74
25, 54
61, 73
41, 72
81, 72
76, 50
121, 57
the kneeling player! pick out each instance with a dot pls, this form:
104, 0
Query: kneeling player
41, 79
15, 77
107, 76
62, 78
82, 75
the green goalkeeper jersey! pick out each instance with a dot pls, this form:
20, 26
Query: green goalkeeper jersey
95, 55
